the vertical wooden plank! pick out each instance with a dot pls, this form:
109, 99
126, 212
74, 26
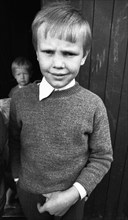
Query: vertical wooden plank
121, 170
100, 45
124, 192
99, 61
113, 101
87, 9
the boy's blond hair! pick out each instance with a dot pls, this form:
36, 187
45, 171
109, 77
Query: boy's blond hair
21, 62
64, 22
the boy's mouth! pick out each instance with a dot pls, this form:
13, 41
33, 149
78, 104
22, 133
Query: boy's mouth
59, 74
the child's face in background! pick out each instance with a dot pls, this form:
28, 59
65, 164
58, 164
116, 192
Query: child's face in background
22, 76
59, 60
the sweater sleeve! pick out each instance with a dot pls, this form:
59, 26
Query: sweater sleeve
100, 151
14, 139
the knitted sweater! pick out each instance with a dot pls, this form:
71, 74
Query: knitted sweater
60, 140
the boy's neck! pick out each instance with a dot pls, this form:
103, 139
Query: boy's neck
20, 86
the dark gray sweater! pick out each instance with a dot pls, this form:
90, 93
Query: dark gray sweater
60, 140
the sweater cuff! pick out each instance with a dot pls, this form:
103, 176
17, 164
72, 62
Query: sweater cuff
81, 190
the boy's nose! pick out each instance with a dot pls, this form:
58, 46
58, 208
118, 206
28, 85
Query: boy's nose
58, 62
22, 76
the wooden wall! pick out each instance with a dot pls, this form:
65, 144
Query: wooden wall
106, 74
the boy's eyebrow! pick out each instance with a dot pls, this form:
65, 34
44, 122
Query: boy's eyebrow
47, 50
62, 51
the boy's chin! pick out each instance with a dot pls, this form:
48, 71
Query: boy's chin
58, 86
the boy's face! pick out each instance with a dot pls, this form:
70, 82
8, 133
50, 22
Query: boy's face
59, 60
21, 76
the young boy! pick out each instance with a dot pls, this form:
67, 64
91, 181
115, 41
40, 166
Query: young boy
21, 71
60, 142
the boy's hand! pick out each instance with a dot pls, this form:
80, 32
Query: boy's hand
58, 203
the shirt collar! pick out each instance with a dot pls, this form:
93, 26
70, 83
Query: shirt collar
45, 89
20, 86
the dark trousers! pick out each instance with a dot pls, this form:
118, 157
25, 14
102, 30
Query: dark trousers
29, 202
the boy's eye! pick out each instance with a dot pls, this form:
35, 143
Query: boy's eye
49, 52
67, 53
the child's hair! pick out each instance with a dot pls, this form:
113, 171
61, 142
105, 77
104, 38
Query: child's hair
21, 62
64, 22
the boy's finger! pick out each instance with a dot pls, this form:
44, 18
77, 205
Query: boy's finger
47, 195
40, 208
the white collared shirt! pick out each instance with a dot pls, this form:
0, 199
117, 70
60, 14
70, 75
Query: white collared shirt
45, 89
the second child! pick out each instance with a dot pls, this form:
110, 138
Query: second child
22, 72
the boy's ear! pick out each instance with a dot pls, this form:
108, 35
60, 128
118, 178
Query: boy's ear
84, 58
